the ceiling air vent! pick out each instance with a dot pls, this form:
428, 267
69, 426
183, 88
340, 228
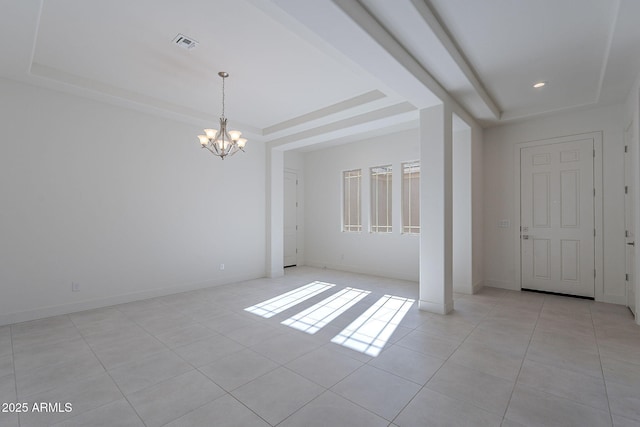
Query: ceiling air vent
185, 42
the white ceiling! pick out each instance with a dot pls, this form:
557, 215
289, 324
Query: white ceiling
305, 73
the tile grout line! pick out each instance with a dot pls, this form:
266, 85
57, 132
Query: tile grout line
444, 363
391, 373
108, 373
581, 403
329, 389
503, 297
279, 365
195, 368
515, 383
230, 392
303, 406
606, 390
146, 357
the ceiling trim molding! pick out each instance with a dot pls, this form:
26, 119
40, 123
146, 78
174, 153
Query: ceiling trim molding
372, 116
101, 91
519, 115
347, 104
402, 123
432, 21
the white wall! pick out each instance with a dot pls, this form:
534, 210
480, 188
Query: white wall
499, 192
386, 254
294, 162
124, 203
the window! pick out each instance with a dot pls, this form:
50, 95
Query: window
381, 199
411, 197
352, 213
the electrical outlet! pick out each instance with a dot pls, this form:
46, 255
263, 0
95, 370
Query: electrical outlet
75, 287
221, 266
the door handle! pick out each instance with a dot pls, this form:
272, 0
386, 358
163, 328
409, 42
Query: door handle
525, 237
631, 243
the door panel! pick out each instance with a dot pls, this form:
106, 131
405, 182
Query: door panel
570, 198
541, 202
570, 260
557, 217
541, 258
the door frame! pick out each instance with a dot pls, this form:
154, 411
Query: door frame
629, 163
597, 214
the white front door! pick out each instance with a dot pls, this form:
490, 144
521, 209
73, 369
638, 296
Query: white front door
290, 219
557, 217
629, 219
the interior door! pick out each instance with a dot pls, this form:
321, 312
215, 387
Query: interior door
290, 219
630, 237
557, 217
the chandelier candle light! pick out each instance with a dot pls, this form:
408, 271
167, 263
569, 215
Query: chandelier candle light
221, 142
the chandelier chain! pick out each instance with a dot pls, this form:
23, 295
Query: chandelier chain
223, 78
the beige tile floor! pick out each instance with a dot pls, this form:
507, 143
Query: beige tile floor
199, 359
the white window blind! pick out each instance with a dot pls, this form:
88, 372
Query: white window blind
411, 197
381, 199
351, 189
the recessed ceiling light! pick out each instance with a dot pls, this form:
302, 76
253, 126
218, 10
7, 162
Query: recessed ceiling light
539, 85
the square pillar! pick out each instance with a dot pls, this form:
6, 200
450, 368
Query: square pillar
436, 210
462, 209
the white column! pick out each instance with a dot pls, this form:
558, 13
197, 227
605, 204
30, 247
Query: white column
462, 209
436, 289
275, 213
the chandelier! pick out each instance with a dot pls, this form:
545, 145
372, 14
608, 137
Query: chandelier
221, 142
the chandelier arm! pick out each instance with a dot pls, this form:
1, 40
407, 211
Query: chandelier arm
209, 148
221, 144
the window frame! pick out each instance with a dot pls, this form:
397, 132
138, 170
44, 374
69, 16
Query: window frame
409, 229
375, 226
349, 226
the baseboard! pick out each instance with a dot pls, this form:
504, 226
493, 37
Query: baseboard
364, 270
477, 287
57, 310
438, 308
501, 284
612, 299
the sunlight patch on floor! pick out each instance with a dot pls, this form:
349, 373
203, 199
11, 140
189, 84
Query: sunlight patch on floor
370, 332
287, 300
319, 315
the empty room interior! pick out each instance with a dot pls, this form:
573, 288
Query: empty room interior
319, 213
